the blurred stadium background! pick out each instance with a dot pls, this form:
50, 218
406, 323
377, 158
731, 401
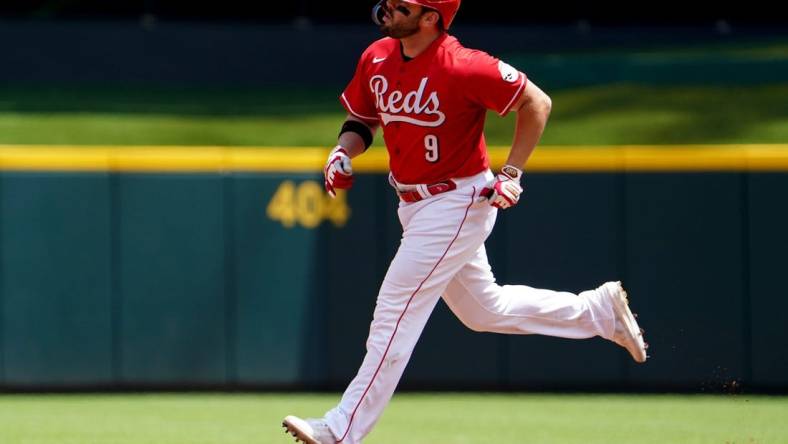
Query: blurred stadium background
163, 227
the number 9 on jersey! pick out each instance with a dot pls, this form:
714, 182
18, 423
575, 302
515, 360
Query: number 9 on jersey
433, 150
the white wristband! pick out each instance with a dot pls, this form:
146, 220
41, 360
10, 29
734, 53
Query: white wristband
512, 172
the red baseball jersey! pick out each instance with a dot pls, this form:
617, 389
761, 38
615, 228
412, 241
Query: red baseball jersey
432, 107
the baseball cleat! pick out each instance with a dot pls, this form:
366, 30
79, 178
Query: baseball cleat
627, 333
308, 431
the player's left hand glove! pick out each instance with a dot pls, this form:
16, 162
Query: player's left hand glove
504, 191
338, 173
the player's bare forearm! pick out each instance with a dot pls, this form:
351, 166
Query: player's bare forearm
351, 141
533, 109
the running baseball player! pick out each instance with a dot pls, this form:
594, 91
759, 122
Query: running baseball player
430, 96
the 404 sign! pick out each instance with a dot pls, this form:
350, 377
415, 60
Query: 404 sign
308, 205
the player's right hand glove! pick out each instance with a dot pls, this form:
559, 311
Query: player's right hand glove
504, 191
338, 173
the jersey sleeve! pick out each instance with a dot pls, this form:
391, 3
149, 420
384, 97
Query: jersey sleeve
492, 83
357, 97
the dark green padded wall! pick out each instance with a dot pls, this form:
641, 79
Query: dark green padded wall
350, 292
185, 280
279, 277
56, 314
767, 291
684, 262
566, 236
171, 272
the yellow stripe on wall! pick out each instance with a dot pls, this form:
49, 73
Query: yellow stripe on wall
293, 159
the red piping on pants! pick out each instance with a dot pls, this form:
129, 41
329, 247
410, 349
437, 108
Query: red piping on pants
396, 327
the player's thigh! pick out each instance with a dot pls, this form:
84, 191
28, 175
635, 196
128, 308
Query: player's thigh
473, 293
439, 238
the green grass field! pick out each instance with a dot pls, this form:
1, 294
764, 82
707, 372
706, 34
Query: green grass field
603, 115
411, 418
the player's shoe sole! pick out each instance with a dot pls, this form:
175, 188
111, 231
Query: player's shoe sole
300, 430
628, 333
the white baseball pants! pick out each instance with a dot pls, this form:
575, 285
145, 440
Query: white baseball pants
442, 255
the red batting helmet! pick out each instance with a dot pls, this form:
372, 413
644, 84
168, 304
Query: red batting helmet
446, 8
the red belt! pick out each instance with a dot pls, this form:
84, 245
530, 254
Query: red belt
432, 189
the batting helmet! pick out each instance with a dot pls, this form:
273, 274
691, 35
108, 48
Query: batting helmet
446, 8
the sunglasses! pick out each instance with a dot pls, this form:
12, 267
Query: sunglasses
401, 9
383, 8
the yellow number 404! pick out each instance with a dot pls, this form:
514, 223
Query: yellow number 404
307, 205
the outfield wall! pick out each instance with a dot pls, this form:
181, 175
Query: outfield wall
217, 267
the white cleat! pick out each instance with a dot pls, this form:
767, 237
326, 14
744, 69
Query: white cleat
627, 334
309, 431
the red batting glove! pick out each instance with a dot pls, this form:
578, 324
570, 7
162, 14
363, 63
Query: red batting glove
338, 173
504, 191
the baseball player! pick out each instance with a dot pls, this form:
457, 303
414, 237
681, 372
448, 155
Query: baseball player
430, 96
